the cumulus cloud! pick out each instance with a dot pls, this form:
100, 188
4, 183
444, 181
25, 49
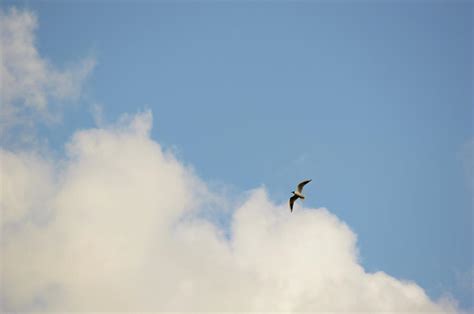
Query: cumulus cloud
29, 83
117, 225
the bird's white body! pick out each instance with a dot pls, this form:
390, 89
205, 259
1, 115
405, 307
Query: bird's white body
297, 193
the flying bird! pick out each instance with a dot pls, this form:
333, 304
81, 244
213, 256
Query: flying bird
298, 194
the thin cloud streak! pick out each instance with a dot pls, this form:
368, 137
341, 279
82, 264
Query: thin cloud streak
31, 86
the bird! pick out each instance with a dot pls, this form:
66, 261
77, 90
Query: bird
298, 194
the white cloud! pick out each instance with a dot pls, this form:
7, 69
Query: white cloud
120, 231
28, 81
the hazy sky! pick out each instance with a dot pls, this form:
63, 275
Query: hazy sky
372, 101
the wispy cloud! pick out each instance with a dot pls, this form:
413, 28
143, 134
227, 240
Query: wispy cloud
120, 231
29, 83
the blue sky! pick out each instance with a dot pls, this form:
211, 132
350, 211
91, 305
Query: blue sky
372, 101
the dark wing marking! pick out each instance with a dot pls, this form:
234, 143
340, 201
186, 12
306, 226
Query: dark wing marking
300, 186
292, 201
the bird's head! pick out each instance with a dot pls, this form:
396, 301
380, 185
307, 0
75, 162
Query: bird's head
293, 192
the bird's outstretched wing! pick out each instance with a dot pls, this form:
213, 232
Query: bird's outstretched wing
300, 186
292, 201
